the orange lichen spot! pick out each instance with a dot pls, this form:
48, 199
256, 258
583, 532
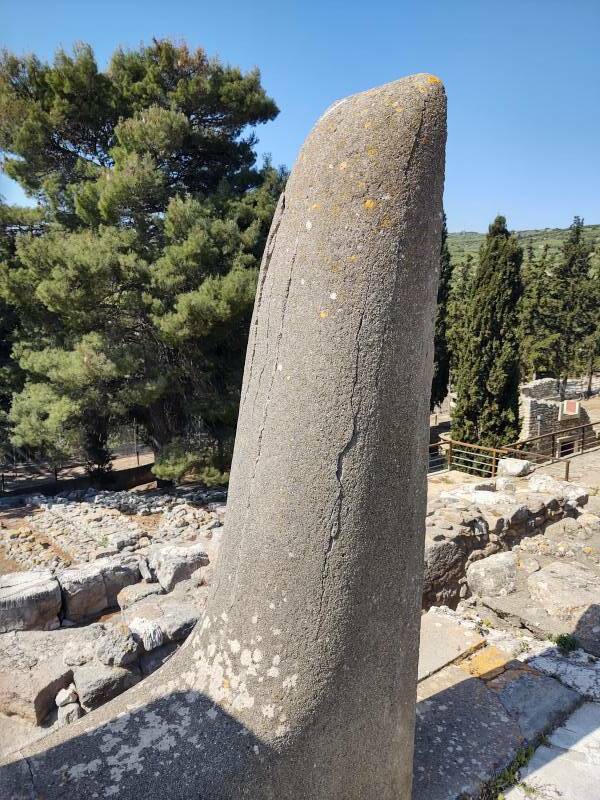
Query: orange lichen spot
386, 222
370, 204
336, 266
226, 683
432, 79
324, 313
316, 206
372, 152
343, 165
368, 125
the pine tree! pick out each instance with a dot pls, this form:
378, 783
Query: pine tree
133, 296
441, 356
487, 375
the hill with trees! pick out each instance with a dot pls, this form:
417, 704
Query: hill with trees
467, 243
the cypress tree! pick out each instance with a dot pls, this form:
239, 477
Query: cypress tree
458, 312
539, 332
487, 376
574, 300
441, 355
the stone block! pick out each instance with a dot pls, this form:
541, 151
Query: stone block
29, 601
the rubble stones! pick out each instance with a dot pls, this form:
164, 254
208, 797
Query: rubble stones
66, 696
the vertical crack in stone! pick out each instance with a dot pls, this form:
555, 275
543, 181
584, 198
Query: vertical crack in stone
335, 520
27, 763
269, 250
265, 413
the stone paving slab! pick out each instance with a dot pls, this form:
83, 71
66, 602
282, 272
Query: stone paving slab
537, 703
463, 736
443, 640
554, 773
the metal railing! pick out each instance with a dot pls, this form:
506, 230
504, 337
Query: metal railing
548, 448
561, 443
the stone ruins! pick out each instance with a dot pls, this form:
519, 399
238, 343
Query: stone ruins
303, 666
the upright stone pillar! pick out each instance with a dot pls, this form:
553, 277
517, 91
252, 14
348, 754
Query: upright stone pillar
300, 681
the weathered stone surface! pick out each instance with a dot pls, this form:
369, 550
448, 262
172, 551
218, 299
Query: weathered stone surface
540, 482
32, 672
68, 713
566, 591
464, 736
537, 702
117, 647
315, 604
96, 683
494, 576
174, 563
29, 601
150, 662
89, 589
66, 696
514, 467
81, 645
137, 591
165, 619
566, 767
443, 640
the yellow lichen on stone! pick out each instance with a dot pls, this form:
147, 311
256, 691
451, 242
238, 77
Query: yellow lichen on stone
324, 313
487, 663
343, 165
368, 124
432, 79
316, 206
386, 222
371, 152
353, 258
370, 204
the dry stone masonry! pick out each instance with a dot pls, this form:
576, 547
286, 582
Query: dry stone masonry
304, 667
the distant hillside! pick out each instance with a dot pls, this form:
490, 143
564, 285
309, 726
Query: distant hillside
467, 243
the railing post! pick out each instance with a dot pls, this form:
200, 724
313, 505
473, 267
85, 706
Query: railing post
449, 456
583, 439
567, 467
553, 454
494, 460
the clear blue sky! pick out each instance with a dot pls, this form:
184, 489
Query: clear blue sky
522, 77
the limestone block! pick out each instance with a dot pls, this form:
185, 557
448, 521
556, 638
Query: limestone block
117, 647
29, 601
174, 563
494, 576
97, 683
515, 467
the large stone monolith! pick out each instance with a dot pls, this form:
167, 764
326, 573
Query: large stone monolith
300, 681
